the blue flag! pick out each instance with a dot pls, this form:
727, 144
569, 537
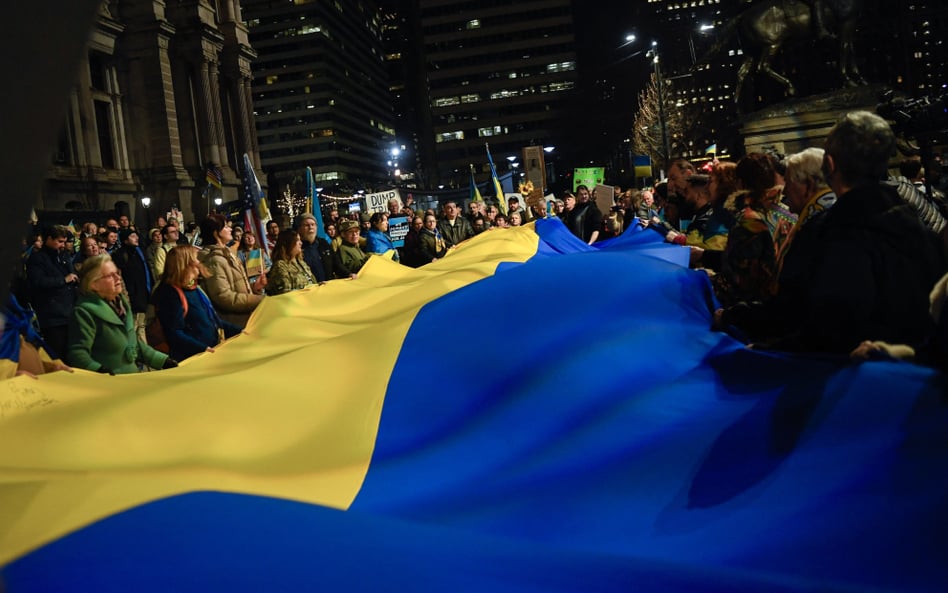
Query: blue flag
313, 205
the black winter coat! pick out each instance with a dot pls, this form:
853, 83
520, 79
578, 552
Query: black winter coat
52, 299
873, 266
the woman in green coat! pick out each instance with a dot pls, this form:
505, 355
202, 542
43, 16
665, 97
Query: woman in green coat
102, 334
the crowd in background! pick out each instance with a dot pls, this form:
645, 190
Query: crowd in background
819, 251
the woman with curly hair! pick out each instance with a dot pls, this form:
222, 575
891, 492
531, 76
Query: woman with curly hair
762, 224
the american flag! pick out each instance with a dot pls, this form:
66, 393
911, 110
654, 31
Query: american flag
256, 212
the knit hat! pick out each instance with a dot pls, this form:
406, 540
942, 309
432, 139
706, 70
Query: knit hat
126, 233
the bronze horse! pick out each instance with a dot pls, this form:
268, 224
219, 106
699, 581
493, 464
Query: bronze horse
767, 26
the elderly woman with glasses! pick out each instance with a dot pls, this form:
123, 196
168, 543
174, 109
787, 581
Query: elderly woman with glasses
102, 335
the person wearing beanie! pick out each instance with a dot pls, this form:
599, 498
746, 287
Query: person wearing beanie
136, 274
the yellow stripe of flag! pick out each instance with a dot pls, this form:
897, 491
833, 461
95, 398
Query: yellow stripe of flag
290, 410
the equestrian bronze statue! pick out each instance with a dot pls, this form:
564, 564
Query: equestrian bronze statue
767, 26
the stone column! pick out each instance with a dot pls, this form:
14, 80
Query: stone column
242, 116
210, 146
218, 126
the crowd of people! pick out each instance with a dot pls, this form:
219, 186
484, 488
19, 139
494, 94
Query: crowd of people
821, 251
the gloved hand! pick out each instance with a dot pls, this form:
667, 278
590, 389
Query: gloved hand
170, 363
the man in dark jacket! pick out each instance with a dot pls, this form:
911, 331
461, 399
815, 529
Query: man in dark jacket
878, 262
454, 228
53, 284
136, 275
317, 252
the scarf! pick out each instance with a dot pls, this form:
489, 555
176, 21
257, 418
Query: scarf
117, 306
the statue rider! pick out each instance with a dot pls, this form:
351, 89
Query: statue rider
819, 23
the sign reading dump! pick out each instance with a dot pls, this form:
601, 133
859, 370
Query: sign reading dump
378, 202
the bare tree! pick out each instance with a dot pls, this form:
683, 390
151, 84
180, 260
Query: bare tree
647, 127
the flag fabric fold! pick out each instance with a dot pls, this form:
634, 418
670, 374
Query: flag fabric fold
617, 444
498, 189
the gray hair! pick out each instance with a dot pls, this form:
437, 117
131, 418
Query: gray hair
806, 165
861, 144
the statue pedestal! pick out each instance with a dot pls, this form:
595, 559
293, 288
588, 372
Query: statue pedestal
791, 126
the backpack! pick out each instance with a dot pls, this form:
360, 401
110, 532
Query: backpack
155, 334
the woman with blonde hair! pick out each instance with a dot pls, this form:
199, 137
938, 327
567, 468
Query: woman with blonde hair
289, 271
102, 335
188, 319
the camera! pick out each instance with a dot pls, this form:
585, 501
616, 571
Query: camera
922, 116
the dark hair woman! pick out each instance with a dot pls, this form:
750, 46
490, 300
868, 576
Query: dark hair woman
227, 284
289, 271
762, 224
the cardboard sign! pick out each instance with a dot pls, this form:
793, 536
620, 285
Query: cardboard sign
588, 176
378, 202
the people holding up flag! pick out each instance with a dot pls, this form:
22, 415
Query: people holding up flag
227, 286
377, 239
188, 319
317, 252
289, 271
454, 227
349, 258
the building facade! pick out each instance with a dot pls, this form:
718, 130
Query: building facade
498, 73
162, 95
320, 91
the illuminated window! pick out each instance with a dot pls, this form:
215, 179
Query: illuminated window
446, 101
272, 78
473, 98
474, 24
449, 136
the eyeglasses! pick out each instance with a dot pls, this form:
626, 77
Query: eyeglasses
112, 276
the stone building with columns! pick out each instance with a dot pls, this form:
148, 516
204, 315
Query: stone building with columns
162, 95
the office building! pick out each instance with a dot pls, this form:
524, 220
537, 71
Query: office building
502, 73
320, 92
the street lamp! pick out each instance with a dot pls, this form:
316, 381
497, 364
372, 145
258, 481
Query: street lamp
146, 202
653, 53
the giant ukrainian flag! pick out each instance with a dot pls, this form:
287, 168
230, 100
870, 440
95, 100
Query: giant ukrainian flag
364, 436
